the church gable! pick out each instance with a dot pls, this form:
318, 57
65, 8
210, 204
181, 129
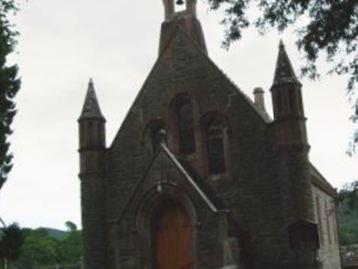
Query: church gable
183, 69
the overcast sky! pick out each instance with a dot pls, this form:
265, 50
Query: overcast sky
64, 43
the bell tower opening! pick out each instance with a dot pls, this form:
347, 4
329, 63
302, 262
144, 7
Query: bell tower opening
180, 5
172, 8
172, 236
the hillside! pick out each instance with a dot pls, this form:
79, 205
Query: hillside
55, 233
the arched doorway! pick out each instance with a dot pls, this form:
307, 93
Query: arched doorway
172, 237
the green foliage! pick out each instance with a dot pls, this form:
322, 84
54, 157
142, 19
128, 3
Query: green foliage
9, 86
331, 26
71, 226
348, 213
71, 249
43, 249
327, 26
11, 242
38, 249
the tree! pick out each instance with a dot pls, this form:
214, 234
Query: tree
71, 247
329, 26
348, 213
43, 248
349, 194
38, 249
71, 226
11, 242
9, 86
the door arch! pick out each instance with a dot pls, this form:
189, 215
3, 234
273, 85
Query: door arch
172, 236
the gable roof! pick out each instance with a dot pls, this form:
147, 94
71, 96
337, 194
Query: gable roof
211, 203
320, 182
190, 179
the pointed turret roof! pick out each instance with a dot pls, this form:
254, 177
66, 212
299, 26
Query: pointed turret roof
284, 72
91, 108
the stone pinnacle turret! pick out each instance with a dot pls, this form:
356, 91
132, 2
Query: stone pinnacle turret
284, 72
91, 109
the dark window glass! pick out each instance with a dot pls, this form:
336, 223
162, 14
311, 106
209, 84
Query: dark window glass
155, 140
215, 140
186, 128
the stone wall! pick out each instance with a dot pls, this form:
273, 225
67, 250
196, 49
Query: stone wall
249, 189
256, 189
326, 218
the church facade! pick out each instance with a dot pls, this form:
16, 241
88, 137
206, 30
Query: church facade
199, 176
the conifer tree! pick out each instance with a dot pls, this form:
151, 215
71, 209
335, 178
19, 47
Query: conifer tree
9, 86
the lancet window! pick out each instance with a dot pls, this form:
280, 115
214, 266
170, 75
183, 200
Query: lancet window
185, 123
215, 146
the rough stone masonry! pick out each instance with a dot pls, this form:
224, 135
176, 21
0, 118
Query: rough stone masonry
199, 176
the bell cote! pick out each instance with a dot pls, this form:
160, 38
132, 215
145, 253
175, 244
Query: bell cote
181, 14
174, 8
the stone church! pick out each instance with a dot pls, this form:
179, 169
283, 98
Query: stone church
199, 176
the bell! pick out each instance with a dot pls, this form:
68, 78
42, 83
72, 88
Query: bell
180, 2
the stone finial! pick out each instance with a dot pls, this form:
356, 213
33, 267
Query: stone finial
259, 99
284, 72
91, 108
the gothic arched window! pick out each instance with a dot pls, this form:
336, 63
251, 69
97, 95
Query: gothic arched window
215, 145
185, 123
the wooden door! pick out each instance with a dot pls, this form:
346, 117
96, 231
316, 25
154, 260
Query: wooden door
172, 234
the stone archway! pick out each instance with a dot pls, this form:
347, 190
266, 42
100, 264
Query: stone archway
172, 236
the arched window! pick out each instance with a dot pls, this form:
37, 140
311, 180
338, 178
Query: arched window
151, 138
215, 146
185, 123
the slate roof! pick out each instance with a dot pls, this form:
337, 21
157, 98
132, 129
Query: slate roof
91, 108
284, 72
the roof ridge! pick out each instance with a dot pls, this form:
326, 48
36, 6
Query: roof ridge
191, 181
161, 53
321, 176
262, 115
